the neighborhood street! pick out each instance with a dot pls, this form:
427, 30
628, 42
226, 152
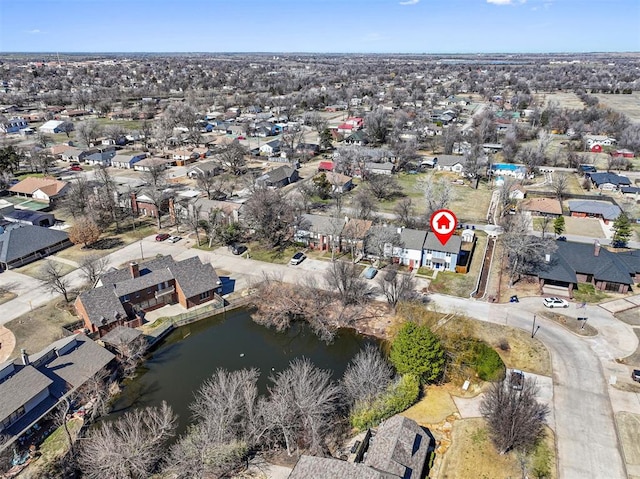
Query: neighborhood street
582, 408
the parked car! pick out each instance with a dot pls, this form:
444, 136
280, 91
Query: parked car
516, 379
76, 168
635, 375
370, 272
162, 236
555, 303
175, 239
237, 248
298, 258
561, 238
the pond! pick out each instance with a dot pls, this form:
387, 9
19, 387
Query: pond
189, 355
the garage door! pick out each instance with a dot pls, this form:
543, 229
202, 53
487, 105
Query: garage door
549, 290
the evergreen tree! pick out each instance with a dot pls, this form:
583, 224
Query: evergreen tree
416, 350
622, 231
558, 225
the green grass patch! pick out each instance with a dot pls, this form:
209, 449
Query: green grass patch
22, 176
587, 293
455, 284
128, 124
259, 252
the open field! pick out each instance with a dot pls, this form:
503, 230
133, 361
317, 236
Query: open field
626, 104
473, 456
564, 99
40, 327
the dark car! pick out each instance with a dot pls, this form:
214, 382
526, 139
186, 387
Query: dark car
561, 238
635, 375
237, 248
162, 236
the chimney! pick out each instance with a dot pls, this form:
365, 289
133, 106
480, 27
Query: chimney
134, 269
596, 248
24, 356
547, 258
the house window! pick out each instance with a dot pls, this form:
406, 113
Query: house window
205, 295
126, 298
447, 255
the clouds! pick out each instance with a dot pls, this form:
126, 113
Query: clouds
35, 31
409, 2
506, 2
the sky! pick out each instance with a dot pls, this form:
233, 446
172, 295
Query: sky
320, 26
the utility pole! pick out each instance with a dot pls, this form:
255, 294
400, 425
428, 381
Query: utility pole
534, 330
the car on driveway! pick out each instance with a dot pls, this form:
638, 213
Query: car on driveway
175, 239
298, 258
555, 303
76, 168
635, 375
370, 272
237, 248
516, 379
162, 236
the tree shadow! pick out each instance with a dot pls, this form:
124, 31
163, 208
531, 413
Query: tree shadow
106, 243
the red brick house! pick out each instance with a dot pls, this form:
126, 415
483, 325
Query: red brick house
121, 297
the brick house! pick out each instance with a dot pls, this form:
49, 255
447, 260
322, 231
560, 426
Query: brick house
121, 297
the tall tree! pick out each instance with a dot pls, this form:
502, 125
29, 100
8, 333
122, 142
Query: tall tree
85, 231
515, 418
343, 277
558, 225
268, 212
367, 376
89, 131
396, 286
55, 280
233, 157
377, 124
92, 267
438, 194
560, 185
621, 230
416, 350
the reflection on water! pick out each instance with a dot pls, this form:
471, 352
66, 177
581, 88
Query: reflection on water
189, 355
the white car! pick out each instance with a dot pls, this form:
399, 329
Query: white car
175, 239
555, 303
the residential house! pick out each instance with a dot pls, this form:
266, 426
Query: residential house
339, 183
121, 297
402, 245
595, 143
21, 244
29, 217
184, 157
228, 211
398, 450
278, 177
33, 385
58, 149
386, 168
13, 124
623, 153
71, 154
353, 235
100, 158
271, 148
319, 232
606, 181
142, 204
450, 163
357, 138
574, 263
325, 166
594, 209
542, 207
631, 191
46, 189
429, 162
127, 160
53, 127
152, 163
346, 128
439, 256
207, 168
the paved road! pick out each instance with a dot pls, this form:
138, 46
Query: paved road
583, 414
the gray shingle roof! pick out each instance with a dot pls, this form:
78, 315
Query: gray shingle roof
322, 224
608, 210
102, 302
121, 335
278, 174
607, 177
452, 246
16, 243
449, 160
149, 280
19, 388
311, 467
194, 277
413, 239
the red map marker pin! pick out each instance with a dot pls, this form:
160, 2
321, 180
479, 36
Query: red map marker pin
443, 224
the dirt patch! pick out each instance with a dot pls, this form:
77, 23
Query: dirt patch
629, 433
35, 269
435, 406
516, 347
6, 296
7, 343
473, 456
581, 328
583, 226
630, 316
39, 328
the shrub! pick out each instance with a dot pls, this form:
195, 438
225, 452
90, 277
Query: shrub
487, 362
416, 350
399, 397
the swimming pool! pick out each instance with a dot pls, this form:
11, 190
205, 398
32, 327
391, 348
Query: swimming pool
506, 167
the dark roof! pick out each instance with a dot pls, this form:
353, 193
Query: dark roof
102, 305
449, 160
321, 224
607, 177
452, 246
194, 277
16, 243
21, 387
400, 447
608, 210
121, 335
574, 258
630, 189
413, 239
309, 467
278, 174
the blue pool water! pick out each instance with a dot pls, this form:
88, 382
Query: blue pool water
506, 167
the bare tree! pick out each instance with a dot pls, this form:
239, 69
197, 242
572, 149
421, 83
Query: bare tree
302, 406
76, 201
560, 185
377, 124
404, 212
130, 354
396, 286
54, 279
383, 187
437, 193
129, 447
515, 418
233, 157
89, 131
92, 267
367, 376
155, 176
268, 212
381, 241
344, 278
363, 204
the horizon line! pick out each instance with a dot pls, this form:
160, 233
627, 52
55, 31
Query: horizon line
52, 52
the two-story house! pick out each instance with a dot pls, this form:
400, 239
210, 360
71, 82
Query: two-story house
439, 256
121, 297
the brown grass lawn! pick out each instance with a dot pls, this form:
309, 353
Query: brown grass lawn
40, 327
435, 406
522, 352
627, 104
473, 456
630, 316
634, 358
35, 269
269, 255
6, 296
564, 99
572, 324
629, 432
